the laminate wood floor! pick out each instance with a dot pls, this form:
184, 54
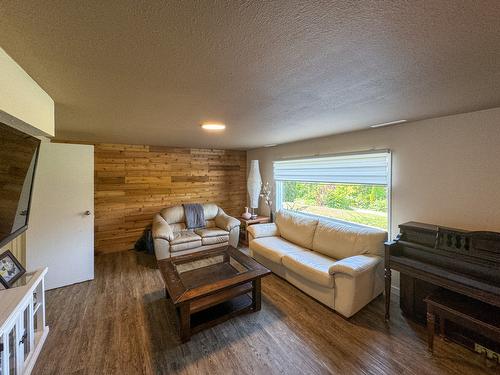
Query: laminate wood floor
120, 323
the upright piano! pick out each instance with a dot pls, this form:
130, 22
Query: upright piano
431, 257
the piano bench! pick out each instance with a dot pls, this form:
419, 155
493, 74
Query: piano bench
467, 312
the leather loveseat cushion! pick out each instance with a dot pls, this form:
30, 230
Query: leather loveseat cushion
296, 228
211, 232
223, 240
185, 240
212, 236
185, 246
184, 236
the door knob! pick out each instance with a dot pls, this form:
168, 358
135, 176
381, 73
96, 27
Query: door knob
87, 213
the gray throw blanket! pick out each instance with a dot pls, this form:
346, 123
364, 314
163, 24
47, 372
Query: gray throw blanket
195, 218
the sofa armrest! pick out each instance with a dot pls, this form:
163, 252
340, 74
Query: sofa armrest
355, 265
263, 230
226, 222
161, 229
162, 248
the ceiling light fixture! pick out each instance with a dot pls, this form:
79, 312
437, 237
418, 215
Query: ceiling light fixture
387, 123
213, 126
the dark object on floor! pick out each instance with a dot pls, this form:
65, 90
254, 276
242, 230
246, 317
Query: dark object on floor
145, 243
195, 217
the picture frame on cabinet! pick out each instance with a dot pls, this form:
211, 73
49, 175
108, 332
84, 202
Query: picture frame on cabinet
10, 269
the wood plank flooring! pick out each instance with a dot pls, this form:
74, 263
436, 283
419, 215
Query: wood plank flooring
120, 323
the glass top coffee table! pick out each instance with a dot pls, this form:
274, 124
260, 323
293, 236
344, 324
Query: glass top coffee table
211, 286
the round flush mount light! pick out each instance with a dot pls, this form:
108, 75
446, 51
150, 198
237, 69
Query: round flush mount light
213, 126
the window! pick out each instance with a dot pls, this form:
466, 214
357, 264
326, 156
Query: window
353, 188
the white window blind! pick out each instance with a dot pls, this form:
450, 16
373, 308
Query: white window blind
364, 168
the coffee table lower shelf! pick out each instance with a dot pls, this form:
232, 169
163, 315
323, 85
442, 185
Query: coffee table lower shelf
220, 313
213, 309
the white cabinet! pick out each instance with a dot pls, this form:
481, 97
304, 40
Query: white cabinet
10, 347
22, 325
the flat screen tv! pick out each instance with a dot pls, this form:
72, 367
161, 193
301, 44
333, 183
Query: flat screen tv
18, 157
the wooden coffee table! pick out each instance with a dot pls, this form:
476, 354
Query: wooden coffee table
211, 286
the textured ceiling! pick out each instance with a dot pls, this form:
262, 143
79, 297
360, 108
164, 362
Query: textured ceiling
274, 72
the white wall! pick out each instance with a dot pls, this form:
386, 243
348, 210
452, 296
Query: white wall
25, 106
446, 170
23, 103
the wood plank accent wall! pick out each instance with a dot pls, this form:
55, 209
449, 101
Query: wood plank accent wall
133, 182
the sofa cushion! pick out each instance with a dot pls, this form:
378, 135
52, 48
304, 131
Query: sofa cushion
370, 241
311, 266
263, 230
296, 228
339, 240
274, 248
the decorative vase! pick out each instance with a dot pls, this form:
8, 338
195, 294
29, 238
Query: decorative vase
246, 215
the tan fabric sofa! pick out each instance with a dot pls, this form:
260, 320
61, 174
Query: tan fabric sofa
172, 238
337, 263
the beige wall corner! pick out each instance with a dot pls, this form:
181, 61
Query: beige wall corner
23, 103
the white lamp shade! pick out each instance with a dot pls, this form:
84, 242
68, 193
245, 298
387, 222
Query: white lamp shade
254, 184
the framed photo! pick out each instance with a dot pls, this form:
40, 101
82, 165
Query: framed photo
10, 269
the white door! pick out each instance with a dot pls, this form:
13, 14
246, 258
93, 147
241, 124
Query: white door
60, 234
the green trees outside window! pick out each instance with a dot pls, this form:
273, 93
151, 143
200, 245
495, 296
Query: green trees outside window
363, 204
